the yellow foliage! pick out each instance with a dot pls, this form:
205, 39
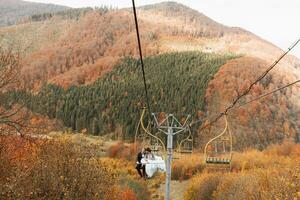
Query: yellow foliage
187, 166
270, 174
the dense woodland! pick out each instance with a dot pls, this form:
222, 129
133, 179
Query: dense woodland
177, 83
70, 14
68, 61
259, 123
76, 71
180, 83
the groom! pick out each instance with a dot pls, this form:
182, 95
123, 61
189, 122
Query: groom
139, 165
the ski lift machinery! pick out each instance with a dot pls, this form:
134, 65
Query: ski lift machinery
145, 138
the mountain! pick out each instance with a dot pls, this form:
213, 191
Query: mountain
88, 47
80, 71
14, 11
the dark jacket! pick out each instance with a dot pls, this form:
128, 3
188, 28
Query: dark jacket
139, 157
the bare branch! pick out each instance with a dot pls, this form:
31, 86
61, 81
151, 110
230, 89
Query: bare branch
9, 77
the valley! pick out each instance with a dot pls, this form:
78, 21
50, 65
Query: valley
72, 93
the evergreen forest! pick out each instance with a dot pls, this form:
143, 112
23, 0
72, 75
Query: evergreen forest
176, 84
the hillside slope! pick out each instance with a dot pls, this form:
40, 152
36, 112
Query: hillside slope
84, 66
88, 47
112, 103
200, 84
262, 122
13, 11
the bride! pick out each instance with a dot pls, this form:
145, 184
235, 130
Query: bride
152, 163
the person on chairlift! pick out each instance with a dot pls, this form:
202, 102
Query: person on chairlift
149, 155
139, 165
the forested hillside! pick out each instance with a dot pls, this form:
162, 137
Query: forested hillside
79, 46
71, 93
13, 11
177, 83
259, 123
195, 83
64, 53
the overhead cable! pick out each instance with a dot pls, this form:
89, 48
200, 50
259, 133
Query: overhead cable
141, 55
218, 116
249, 88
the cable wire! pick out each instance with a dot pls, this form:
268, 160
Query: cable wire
267, 94
246, 103
250, 87
261, 77
141, 55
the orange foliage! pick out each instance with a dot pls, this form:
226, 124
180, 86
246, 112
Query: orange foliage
122, 151
259, 123
90, 48
128, 194
51, 169
187, 166
271, 174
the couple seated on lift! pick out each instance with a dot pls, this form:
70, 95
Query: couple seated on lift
145, 154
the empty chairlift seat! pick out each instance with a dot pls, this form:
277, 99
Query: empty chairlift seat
186, 145
218, 150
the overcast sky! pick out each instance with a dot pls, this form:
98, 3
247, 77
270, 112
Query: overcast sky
277, 21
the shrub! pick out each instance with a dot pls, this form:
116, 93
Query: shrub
281, 183
128, 194
60, 171
187, 166
202, 187
287, 148
122, 151
139, 187
270, 174
238, 186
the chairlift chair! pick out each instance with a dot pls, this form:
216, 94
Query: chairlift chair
186, 146
218, 150
148, 139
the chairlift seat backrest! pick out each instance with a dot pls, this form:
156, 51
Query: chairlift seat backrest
219, 149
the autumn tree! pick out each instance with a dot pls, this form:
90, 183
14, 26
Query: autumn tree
9, 78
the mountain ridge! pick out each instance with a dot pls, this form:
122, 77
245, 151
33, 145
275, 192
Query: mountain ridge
92, 46
95, 41
13, 11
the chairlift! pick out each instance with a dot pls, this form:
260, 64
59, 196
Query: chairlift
218, 150
145, 138
186, 145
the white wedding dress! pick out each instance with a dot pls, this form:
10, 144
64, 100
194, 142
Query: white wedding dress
154, 165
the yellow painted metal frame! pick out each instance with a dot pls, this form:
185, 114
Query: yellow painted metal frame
227, 128
190, 136
146, 130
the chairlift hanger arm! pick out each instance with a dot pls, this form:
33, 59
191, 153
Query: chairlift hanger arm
148, 132
223, 132
189, 137
173, 127
186, 120
156, 121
